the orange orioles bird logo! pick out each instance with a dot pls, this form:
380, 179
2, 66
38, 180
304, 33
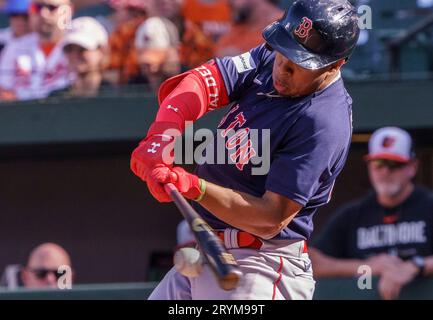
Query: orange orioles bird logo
388, 142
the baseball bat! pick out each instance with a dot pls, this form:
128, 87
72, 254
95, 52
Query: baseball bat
222, 263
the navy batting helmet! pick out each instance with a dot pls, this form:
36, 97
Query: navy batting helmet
315, 33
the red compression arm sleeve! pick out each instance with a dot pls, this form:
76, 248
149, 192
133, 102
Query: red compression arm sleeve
190, 95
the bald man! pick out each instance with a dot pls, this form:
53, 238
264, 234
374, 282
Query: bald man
43, 265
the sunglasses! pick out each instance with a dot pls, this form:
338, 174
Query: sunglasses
73, 47
37, 7
390, 164
43, 273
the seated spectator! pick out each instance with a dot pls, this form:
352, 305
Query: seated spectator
204, 23
250, 18
42, 269
212, 16
390, 229
123, 68
17, 11
85, 47
34, 67
156, 43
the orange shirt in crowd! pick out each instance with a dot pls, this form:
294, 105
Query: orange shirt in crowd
205, 23
232, 44
122, 52
47, 48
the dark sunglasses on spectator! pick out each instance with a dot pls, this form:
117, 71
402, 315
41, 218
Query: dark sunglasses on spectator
37, 7
43, 273
72, 47
390, 164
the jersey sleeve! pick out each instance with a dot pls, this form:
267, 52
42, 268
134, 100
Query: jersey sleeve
239, 72
305, 166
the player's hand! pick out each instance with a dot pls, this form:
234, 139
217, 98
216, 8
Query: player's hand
157, 178
156, 149
189, 185
393, 280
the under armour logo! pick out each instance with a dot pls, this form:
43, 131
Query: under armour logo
172, 108
154, 147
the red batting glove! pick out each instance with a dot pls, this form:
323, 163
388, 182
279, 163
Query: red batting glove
157, 178
189, 185
156, 149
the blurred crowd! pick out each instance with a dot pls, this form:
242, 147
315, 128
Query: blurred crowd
62, 47
46, 51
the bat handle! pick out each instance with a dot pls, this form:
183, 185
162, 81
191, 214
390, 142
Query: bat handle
231, 280
169, 188
232, 275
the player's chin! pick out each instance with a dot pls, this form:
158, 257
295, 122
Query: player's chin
283, 90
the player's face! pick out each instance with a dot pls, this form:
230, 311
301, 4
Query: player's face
294, 81
390, 178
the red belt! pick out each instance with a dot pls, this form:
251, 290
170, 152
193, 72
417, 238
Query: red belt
305, 250
247, 240
244, 240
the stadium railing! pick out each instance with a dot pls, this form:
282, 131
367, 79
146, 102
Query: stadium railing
326, 289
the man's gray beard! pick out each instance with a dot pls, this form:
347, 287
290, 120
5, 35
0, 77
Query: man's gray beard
388, 189
46, 32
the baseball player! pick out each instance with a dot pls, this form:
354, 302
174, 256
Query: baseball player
291, 86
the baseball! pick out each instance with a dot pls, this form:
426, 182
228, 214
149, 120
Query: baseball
188, 262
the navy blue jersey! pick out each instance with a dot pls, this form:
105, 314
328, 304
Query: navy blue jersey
309, 139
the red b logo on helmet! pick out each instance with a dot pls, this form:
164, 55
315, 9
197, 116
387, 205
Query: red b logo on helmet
304, 28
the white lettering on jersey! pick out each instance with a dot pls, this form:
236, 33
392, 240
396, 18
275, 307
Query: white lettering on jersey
212, 85
391, 234
242, 62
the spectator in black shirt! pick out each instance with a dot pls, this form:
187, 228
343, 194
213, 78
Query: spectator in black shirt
390, 229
